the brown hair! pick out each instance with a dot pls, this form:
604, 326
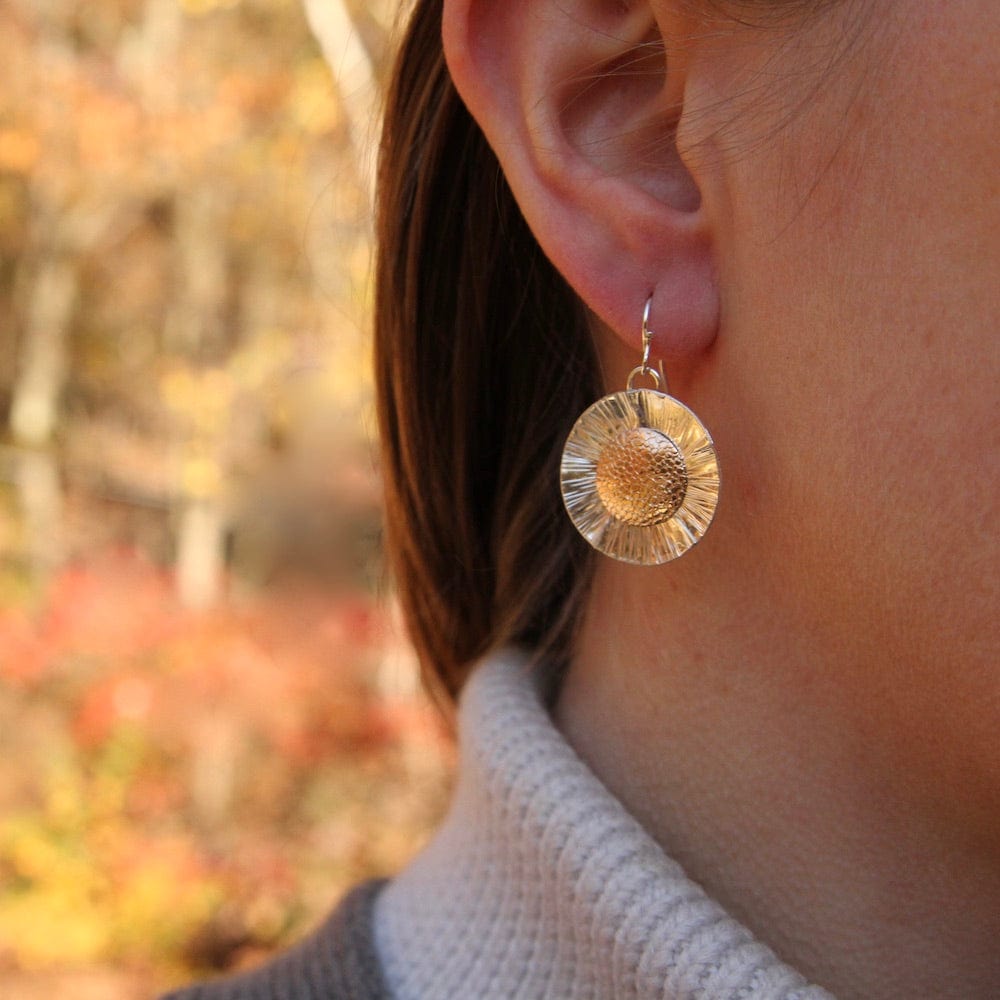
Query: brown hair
483, 360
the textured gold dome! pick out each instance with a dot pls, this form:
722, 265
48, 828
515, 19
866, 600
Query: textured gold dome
641, 477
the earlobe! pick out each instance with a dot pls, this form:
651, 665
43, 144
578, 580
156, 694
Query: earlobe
582, 110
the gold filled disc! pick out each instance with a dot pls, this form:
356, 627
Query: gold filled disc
640, 477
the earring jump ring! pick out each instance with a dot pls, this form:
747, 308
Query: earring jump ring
644, 370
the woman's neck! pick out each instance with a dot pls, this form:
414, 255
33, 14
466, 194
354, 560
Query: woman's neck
744, 751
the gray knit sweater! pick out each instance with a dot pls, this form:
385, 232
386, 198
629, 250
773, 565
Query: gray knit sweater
337, 962
538, 885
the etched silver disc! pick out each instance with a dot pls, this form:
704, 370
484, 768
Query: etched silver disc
640, 477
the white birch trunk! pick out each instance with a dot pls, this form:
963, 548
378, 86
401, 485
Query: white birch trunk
42, 373
192, 325
201, 539
34, 414
352, 68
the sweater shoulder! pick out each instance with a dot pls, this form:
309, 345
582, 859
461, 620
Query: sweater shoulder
338, 961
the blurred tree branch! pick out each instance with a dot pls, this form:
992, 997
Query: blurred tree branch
334, 22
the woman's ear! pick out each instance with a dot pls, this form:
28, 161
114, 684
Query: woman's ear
581, 104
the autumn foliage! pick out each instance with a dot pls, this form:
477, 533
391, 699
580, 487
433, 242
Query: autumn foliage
186, 790
209, 726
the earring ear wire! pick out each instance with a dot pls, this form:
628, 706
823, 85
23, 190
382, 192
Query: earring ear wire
639, 473
656, 374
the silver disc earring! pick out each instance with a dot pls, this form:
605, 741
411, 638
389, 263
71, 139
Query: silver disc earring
639, 474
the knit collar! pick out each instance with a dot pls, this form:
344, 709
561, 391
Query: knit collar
540, 884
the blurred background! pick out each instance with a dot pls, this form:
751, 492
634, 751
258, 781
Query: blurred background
210, 725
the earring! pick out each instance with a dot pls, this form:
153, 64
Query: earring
639, 474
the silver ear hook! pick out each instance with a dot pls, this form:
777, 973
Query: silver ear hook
647, 334
659, 379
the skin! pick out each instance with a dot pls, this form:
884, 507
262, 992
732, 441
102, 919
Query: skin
804, 710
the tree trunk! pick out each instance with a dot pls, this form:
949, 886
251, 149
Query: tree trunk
194, 329
34, 413
42, 373
201, 539
194, 326
341, 43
